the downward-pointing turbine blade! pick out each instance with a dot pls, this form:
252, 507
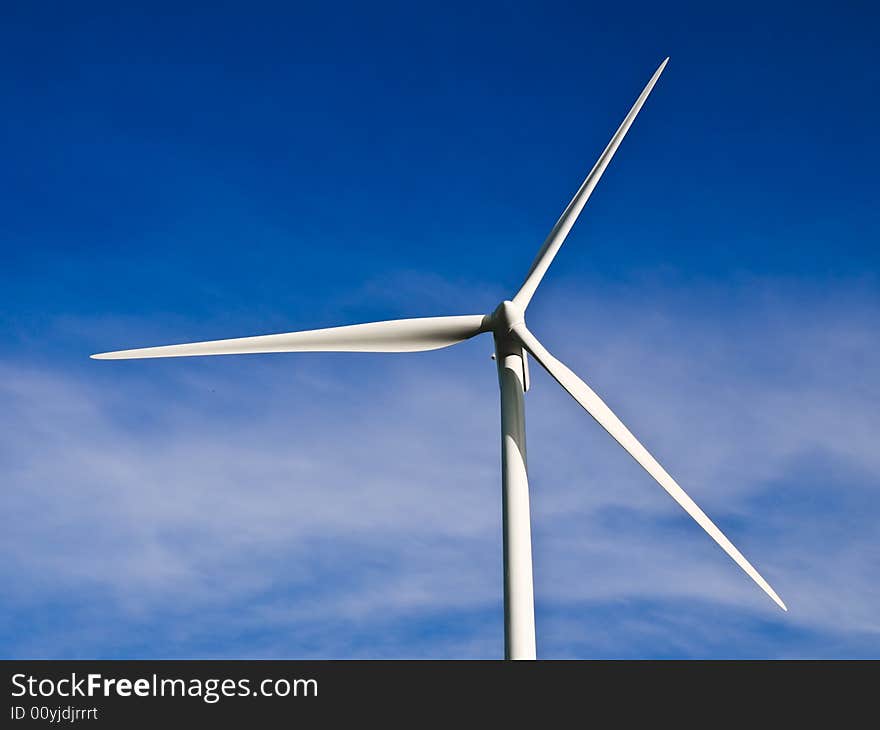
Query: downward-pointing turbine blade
596, 407
570, 214
400, 335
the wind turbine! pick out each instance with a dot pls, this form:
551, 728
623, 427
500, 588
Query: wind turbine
512, 341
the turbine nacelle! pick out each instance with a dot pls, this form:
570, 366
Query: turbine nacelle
508, 347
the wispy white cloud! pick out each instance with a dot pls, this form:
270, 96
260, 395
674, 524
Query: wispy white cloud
348, 505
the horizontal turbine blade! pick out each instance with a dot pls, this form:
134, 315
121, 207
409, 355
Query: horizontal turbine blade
594, 405
399, 335
570, 214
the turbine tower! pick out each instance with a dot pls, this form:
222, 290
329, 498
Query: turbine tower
512, 341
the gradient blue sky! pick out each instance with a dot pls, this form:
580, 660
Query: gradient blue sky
231, 169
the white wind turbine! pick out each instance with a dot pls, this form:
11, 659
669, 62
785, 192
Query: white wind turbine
512, 341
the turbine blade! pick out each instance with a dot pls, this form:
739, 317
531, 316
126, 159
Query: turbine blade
594, 405
570, 214
400, 335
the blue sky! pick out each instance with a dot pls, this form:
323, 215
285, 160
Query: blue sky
243, 168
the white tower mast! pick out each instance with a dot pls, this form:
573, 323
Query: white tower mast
519, 601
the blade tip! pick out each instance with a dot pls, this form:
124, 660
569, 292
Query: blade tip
777, 600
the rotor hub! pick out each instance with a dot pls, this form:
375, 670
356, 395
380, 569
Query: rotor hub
506, 315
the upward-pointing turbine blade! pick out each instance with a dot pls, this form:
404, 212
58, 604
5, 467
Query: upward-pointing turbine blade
570, 214
596, 407
400, 335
